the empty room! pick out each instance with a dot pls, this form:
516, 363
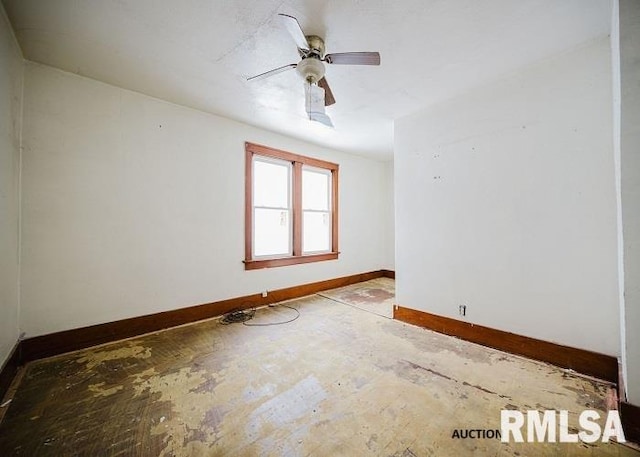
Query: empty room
319, 228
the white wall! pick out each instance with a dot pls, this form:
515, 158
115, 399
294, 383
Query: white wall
132, 206
11, 71
630, 186
505, 202
390, 262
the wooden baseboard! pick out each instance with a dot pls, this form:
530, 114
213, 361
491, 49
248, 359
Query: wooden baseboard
590, 363
630, 418
389, 274
9, 369
80, 338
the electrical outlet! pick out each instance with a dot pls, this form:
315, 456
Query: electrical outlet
463, 310
264, 294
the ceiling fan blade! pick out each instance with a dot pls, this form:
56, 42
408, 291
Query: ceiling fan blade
322, 118
314, 104
328, 95
275, 71
353, 58
293, 26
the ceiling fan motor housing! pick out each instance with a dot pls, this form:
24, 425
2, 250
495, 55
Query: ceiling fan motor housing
316, 45
311, 69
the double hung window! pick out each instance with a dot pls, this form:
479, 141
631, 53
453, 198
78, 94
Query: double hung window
291, 208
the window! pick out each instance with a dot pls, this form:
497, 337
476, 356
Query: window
291, 212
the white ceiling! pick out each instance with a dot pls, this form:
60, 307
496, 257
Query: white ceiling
197, 53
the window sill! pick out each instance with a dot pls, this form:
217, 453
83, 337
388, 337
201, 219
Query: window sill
284, 261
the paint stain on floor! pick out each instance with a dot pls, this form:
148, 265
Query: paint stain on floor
338, 381
376, 296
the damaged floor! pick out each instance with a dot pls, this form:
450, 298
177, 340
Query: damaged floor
337, 381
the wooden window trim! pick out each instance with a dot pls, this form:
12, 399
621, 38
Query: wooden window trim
298, 162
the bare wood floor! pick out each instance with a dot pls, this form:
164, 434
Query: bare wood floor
337, 381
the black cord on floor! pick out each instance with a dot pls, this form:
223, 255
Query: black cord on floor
237, 316
266, 324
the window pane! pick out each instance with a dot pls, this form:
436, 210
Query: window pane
315, 190
272, 228
317, 232
271, 184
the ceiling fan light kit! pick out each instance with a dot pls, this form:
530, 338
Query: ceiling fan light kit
311, 68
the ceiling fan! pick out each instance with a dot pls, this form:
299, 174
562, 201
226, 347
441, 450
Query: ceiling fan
311, 68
